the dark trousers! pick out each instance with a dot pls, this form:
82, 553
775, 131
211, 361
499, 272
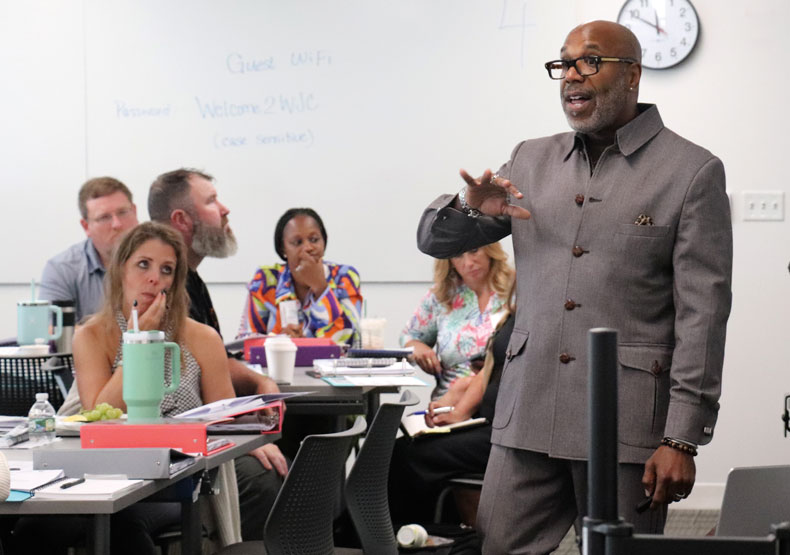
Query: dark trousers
131, 530
258, 488
530, 500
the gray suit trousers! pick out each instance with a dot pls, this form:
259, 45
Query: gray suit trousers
530, 501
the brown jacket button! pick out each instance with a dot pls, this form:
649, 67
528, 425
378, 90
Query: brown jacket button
656, 368
577, 251
579, 199
565, 358
570, 304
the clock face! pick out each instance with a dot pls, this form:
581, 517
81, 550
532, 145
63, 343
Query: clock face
666, 29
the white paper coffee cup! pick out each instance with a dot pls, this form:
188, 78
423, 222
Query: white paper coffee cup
372, 331
280, 358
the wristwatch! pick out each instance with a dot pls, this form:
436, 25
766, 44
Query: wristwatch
468, 210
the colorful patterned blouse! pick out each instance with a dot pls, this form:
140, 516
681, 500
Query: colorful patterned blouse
457, 334
335, 314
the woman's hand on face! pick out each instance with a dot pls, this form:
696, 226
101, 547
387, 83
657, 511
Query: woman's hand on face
310, 271
426, 358
293, 330
151, 319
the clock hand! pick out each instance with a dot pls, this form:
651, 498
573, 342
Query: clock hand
658, 29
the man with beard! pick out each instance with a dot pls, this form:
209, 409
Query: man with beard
622, 224
186, 199
77, 274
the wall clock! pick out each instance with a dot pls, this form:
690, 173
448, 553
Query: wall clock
667, 30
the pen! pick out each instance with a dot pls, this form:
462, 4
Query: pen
67, 485
644, 504
437, 410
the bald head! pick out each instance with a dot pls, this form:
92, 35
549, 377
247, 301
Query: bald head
611, 38
600, 101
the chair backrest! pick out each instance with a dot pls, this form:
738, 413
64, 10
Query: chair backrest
301, 518
366, 486
754, 498
22, 377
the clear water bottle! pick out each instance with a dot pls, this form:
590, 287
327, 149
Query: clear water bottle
41, 418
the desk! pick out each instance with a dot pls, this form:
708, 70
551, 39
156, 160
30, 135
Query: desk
100, 509
326, 399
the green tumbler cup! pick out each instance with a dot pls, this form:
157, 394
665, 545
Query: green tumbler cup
144, 374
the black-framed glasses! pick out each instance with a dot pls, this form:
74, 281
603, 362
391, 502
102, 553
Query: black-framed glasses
584, 65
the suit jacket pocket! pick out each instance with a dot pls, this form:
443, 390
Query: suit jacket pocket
643, 230
509, 387
643, 392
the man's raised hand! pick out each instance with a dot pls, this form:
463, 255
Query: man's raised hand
490, 194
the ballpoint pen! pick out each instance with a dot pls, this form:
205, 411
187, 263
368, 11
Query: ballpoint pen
438, 410
73, 483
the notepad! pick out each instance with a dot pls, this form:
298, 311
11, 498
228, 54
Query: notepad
29, 480
415, 425
89, 489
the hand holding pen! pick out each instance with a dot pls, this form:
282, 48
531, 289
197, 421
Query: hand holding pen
437, 410
436, 415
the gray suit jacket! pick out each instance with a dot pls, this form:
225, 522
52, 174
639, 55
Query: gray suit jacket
583, 262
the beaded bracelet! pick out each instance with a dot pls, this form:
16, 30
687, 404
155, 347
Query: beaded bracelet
688, 449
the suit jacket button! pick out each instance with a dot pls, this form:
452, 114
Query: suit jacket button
565, 358
577, 251
579, 199
570, 304
656, 368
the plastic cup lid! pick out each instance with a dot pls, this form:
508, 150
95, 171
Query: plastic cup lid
152, 336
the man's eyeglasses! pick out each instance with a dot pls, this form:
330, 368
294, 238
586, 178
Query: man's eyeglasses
585, 65
106, 219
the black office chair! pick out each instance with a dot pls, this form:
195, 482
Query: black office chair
23, 376
473, 482
301, 518
366, 485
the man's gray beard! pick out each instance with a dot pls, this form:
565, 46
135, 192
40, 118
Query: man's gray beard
214, 242
609, 104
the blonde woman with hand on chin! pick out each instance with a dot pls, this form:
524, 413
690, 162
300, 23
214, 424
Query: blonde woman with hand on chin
454, 320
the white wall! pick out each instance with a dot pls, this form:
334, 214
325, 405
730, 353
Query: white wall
729, 97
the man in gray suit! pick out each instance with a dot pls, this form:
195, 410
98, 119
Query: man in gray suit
622, 224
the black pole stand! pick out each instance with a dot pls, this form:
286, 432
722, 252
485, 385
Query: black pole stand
604, 533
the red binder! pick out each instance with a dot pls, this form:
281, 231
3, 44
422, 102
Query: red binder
188, 437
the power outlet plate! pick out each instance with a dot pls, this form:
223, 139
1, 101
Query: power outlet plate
764, 206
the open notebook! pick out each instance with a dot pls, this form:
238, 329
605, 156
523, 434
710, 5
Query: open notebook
415, 425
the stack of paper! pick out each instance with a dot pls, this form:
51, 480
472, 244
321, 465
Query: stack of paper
91, 488
360, 367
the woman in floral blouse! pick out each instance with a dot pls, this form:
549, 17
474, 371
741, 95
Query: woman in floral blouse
455, 318
307, 296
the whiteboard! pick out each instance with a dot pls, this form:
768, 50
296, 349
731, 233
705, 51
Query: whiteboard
361, 109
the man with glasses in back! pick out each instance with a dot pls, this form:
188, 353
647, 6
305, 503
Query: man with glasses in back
622, 224
77, 274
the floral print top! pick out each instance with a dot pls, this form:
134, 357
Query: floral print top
334, 314
456, 334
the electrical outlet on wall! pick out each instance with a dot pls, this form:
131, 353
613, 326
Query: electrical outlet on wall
764, 206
